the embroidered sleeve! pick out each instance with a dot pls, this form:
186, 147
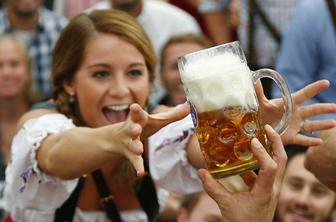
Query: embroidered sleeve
168, 161
26, 184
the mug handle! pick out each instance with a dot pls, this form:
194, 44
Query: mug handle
286, 96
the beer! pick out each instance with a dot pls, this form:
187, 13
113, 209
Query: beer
220, 88
225, 112
225, 137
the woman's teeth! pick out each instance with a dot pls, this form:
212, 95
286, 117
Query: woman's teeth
118, 107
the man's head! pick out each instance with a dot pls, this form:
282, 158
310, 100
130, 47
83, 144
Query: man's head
303, 198
173, 49
24, 7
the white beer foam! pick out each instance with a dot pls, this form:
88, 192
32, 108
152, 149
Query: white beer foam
217, 82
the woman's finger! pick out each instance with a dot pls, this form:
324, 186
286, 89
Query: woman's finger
137, 162
135, 146
138, 115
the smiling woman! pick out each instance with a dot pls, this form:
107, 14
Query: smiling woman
85, 157
16, 93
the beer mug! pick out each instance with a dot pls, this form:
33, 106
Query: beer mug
220, 90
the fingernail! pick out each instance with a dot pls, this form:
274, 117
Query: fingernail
255, 142
268, 127
201, 175
139, 173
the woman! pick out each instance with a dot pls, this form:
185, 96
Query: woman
102, 63
15, 95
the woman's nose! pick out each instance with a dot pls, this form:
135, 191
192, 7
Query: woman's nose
119, 88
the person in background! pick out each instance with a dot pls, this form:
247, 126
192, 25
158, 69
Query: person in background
302, 196
261, 24
191, 6
305, 54
161, 21
38, 28
74, 7
198, 207
170, 76
16, 95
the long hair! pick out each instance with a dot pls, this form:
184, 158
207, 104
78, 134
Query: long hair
69, 53
70, 49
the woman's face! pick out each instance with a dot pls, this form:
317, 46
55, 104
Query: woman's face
112, 76
14, 72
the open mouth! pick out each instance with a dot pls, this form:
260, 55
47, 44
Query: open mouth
116, 113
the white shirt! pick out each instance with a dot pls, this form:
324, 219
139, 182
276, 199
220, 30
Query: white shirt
169, 165
32, 195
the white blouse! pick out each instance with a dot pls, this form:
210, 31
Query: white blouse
32, 195
169, 165
168, 160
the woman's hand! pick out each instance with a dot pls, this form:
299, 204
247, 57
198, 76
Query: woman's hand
162, 116
272, 110
259, 203
132, 129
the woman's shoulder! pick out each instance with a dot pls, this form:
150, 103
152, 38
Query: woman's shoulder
33, 114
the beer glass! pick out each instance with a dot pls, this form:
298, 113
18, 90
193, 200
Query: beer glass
220, 89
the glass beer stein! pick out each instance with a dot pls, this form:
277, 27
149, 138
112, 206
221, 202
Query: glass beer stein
220, 89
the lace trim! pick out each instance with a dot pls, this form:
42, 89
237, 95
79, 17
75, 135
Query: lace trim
36, 130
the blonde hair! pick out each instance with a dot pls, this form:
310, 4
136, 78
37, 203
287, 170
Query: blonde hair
30, 95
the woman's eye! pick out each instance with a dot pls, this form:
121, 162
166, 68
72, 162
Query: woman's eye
135, 72
100, 74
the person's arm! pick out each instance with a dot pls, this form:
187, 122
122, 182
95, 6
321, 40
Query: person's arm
321, 160
271, 112
83, 150
259, 203
216, 16
218, 26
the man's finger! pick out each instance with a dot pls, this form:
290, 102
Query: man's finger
211, 185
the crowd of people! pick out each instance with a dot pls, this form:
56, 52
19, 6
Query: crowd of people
94, 123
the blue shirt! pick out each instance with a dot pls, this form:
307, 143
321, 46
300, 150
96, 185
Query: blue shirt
40, 46
308, 51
